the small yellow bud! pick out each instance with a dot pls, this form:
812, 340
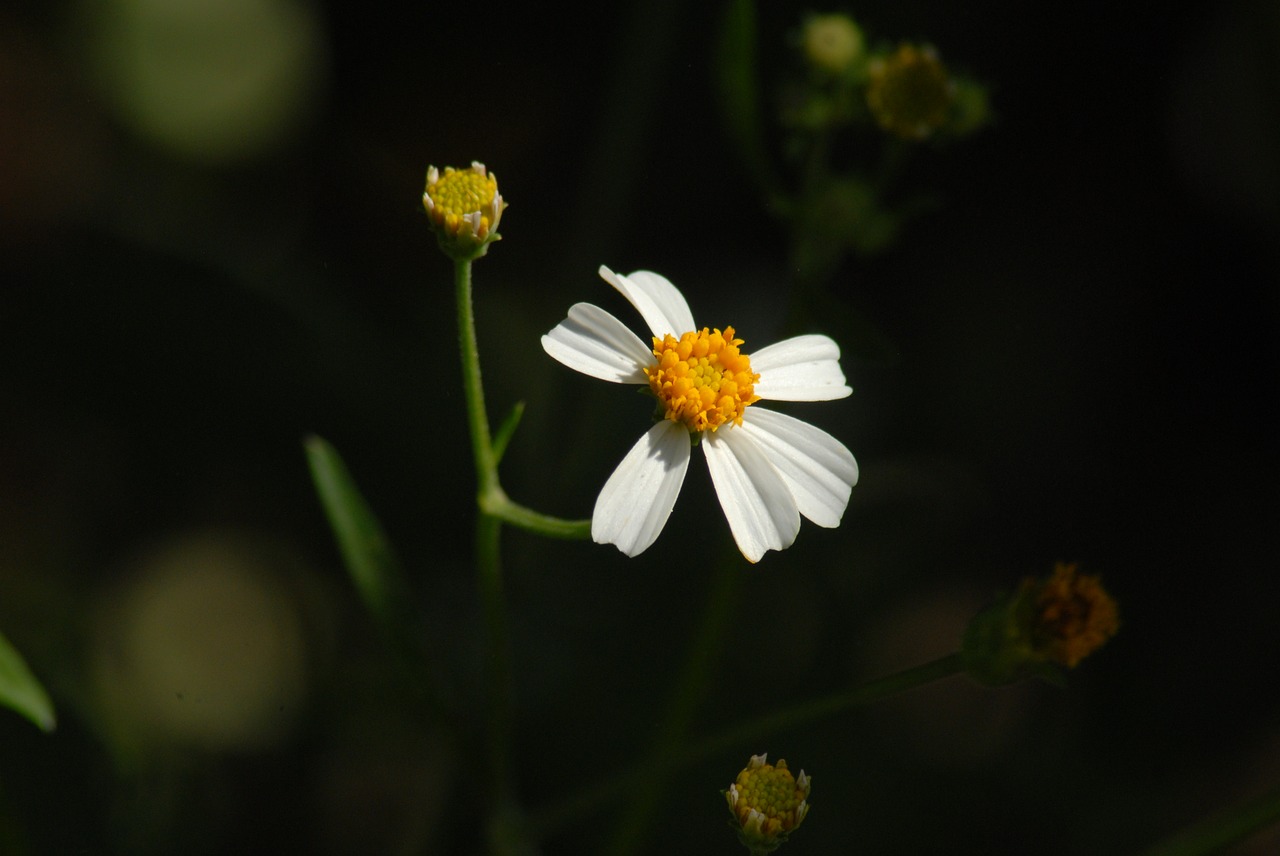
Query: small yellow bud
464, 208
767, 804
832, 42
910, 92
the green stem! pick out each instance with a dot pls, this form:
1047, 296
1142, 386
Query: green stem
496, 503
498, 658
488, 535
494, 509
548, 820
477, 417
1217, 833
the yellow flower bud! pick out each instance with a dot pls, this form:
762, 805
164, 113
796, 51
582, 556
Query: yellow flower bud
464, 208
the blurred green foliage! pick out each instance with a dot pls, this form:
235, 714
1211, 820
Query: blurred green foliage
20, 691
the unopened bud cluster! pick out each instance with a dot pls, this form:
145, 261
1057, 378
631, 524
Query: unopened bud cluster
904, 90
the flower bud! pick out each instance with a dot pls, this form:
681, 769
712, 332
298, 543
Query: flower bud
464, 208
767, 804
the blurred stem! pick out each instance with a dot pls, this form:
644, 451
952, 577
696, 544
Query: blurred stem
703, 653
825, 706
738, 81
547, 820
812, 262
1217, 833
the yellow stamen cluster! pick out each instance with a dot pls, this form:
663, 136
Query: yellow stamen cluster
702, 379
910, 92
464, 206
1073, 615
768, 802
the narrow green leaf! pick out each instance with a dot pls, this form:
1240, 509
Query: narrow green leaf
508, 427
372, 563
19, 689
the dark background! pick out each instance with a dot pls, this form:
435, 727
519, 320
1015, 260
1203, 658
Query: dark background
1082, 359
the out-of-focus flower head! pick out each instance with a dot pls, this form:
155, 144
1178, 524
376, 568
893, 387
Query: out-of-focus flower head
910, 92
1047, 623
832, 43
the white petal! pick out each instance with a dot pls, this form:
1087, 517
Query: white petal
762, 512
595, 343
818, 470
637, 499
659, 302
803, 368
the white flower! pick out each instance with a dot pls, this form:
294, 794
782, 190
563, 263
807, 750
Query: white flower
768, 468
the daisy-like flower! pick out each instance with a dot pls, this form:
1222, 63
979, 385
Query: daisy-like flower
768, 468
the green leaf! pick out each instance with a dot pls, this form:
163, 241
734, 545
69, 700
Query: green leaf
370, 561
19, 689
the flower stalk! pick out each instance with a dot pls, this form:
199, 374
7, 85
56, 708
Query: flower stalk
473, 389
464, 236
494, 509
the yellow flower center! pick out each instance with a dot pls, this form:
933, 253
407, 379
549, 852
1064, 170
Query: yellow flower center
773, 792
461, 192
702, 379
